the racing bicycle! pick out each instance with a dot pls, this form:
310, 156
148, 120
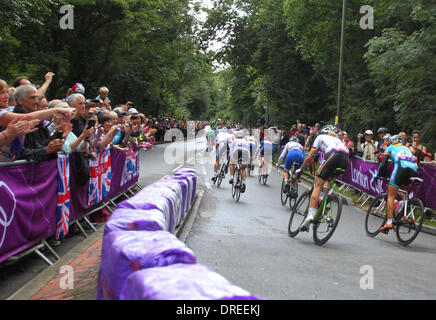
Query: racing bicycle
326, 218
292, 190
407, 221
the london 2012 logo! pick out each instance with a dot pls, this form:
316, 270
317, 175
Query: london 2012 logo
8, 204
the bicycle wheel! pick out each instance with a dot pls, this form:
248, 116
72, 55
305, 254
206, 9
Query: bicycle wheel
238, 184
325, 225
299, 214
220, 177
293, 200
376, 215
283, 196
409, 227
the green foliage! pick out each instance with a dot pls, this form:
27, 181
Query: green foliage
144, 51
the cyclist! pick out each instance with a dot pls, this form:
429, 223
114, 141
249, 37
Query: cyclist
336, 156
253, 147
239, 148
223, 140
265, 145
294, 154
210, 135
405, 167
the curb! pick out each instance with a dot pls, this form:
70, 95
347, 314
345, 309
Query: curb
185, 228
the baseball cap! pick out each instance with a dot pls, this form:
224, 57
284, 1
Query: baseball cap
133, 111
78, 88
369, 132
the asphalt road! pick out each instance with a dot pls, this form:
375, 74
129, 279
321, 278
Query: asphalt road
248, 243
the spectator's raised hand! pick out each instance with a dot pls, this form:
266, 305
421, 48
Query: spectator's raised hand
18, 128
54, 146
49, 76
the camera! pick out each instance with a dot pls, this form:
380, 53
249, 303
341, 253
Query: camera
134, 117
91, 123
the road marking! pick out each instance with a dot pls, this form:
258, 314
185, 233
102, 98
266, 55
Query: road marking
177, 168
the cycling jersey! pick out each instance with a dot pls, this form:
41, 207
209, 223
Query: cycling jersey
336, 155
264, 145
405, 165
223, 140
327, 143
240, 148
294, 154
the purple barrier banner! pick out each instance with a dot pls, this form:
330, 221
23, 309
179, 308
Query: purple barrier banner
124, 174
28, 195
29, 192
359, 175
426, 191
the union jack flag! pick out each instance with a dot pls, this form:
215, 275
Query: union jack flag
63, 203
100, 180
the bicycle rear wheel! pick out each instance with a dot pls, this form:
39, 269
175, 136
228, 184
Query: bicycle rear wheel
283, 196
325, 225
376, 215
299, 214
293, 200
409, 227
220, 177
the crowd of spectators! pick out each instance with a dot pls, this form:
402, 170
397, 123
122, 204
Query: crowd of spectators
365, 145
34, 128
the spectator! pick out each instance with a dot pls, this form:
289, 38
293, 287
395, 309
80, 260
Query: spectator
369, 147
104, 101
11, 100
349, 143
341, 136
418, 150
72, 143
77, 101
381, 133
42, 104
79, 122
37, 144
403, 135
7, 116
274, 135
283, 140
21, 81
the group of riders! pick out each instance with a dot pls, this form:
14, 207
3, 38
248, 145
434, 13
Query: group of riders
235, 145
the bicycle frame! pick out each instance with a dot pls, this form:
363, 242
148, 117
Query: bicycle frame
323, 204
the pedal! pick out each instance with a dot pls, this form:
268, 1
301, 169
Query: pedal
385, 231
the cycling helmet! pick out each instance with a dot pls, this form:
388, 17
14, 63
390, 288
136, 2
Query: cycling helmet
239, 134
382, 130
326, 129
397, 139
293, 139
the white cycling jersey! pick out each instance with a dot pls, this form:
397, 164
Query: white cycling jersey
326, 143
293, 145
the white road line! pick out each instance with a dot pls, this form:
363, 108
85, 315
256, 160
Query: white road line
177, 168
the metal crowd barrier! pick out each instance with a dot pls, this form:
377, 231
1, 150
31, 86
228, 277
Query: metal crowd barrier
38, 248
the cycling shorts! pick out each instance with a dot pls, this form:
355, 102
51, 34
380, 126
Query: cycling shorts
294, 156
222, 151
240, 153
334, 160
401, 176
